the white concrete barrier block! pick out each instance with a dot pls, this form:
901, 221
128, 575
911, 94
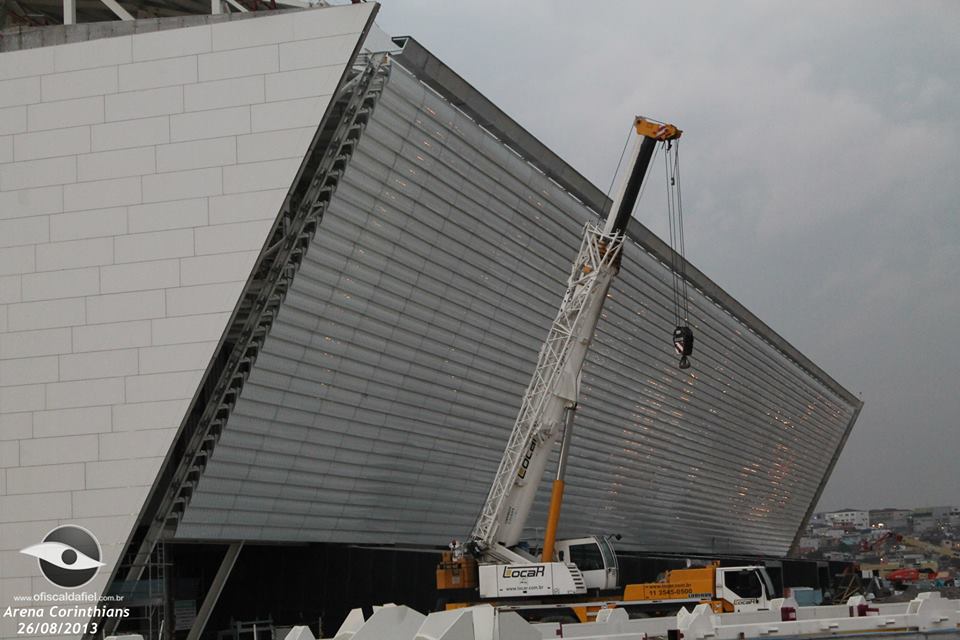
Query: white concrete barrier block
393, 622
351, 625
612, 615
511, 626
447, 625
699, 623
300, 632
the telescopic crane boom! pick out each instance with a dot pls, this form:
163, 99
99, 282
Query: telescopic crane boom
546, 414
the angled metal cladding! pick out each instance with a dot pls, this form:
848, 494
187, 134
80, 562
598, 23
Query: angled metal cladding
379, 405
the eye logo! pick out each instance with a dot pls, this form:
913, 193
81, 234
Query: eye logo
69, 556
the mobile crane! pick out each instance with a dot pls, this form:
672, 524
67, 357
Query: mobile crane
491, 560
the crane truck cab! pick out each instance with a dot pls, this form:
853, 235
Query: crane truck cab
595, 558
742, 589
726, 589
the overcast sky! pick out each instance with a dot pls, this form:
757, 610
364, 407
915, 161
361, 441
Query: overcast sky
821, 178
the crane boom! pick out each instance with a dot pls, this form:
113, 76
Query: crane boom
554, 387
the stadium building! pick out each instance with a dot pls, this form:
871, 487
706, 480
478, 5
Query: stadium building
272, 285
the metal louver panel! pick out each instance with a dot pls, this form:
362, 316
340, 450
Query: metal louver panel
381, 400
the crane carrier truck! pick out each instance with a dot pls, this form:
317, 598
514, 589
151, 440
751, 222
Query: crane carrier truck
569, 575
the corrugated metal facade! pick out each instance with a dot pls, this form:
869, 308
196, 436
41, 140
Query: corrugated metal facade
379, 406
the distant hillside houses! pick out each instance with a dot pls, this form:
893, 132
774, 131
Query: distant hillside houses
919, 520
886, 539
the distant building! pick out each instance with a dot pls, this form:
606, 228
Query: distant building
890, 518
944, 514
924, 520
849, 519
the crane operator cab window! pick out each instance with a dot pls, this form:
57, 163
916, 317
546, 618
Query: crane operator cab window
587, 557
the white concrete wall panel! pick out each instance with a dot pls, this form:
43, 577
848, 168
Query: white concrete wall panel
77, 225
116, 282
65, 113
13, 120
6, 149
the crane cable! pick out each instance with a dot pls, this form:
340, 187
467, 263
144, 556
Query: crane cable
682, 334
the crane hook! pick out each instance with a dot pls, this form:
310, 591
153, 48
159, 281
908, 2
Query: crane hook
683, 344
